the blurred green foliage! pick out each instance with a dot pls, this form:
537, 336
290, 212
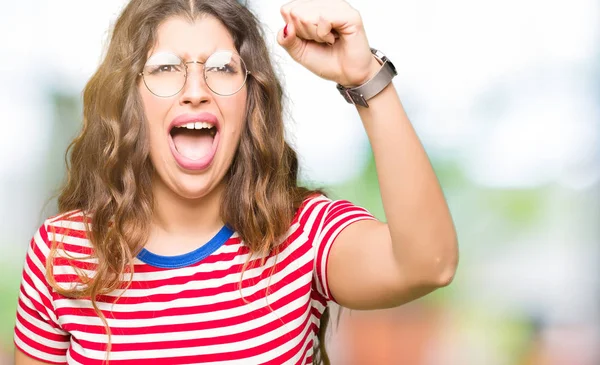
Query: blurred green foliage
66, 121
9, 291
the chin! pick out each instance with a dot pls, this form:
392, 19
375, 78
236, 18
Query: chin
193, 187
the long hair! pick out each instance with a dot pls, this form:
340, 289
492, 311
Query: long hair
109, 173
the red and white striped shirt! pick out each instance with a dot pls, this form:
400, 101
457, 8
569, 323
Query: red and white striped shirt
186, 309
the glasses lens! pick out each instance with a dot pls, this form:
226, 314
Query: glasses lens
164, 74
225, 72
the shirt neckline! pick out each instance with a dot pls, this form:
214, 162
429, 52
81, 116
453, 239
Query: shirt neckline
186, 259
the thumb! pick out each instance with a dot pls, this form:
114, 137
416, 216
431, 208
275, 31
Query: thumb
286, 38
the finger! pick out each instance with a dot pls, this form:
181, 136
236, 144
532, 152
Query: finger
323, 31
294, 19
285, 11
290, 42
304, 28
287, 8
309, 23
342, 17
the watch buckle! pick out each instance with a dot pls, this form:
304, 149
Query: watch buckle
352, 97
359, 99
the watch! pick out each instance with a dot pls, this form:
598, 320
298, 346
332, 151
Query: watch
360, 94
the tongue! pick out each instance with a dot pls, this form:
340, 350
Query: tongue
193, 144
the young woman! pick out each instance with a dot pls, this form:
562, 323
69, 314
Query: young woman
183, 236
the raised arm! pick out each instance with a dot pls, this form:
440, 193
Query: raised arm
374, 264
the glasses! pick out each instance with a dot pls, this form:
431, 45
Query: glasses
224, 72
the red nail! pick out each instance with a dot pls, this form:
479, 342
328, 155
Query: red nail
285, 31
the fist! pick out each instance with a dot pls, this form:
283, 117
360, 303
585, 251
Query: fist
328, 38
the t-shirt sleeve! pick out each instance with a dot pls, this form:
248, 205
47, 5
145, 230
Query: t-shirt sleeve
37, 331
327, 219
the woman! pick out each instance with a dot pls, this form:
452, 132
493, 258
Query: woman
183, 236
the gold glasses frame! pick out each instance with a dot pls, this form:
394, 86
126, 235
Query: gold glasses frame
204, 76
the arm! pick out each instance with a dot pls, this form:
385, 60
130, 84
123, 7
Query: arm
416, 251
373, 264
38, 336
22, 359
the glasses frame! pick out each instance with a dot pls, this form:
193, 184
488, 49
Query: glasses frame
185, 63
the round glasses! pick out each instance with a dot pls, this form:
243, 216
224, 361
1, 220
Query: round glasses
224, 72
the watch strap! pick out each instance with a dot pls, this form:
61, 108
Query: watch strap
360, 94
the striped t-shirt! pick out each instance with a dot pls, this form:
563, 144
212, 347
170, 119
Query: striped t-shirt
186, 309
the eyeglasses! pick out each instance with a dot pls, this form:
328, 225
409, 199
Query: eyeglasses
165, 74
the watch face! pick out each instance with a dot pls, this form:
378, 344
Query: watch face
378, 53
393, 67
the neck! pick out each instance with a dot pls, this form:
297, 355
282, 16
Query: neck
177, 216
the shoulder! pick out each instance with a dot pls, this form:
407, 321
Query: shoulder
62, 239
67, 231
313, 206
318, 209
68, 248
72, 223
70, 216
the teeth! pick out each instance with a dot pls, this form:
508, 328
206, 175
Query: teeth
196, 125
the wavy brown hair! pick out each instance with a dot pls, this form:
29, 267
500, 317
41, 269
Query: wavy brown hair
109, 172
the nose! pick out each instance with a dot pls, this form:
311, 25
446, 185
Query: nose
195, 90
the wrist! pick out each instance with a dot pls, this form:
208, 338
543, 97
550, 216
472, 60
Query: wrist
374, 68
380, 74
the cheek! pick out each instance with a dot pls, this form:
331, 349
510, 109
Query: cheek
236, 112
151, 107
155, 110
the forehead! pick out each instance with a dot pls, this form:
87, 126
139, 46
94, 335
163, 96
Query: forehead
192, 40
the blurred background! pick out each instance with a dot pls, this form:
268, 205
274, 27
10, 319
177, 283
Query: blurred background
505, 96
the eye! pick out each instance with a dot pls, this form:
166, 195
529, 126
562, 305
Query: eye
163, 63
228, 68
157, 69
223, 62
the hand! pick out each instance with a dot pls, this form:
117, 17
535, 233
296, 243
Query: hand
327, 37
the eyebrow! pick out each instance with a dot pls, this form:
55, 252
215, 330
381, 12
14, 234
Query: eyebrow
203, 56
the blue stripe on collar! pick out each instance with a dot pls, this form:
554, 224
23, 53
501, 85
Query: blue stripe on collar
186, 259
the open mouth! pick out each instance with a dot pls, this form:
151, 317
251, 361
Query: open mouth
194, 140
